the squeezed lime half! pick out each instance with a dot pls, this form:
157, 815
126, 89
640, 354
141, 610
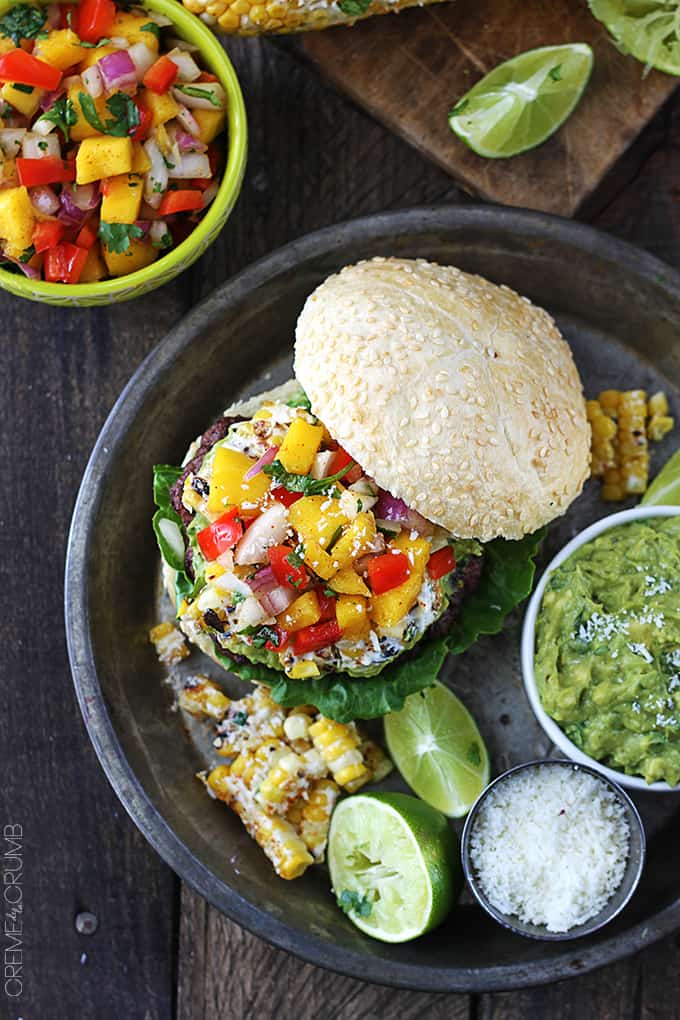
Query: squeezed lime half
522, 102
648, 30
665, 489
394, 864
437, 747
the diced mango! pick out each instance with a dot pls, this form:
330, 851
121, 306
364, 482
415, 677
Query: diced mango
140, 161
210, 123
122, 198
92, 56
104, 156
228, 486
300, 446
8, 171
61, 49
17, 219
82, 127
94, 268
348, 582
316, 519
24, 102
318, 560
355, 541
304, 612
6, 44
139, 255
352, 616
302, 669
130, 26
390, 607
162, 108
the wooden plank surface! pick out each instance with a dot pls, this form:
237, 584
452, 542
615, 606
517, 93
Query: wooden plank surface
315, 159
408, 71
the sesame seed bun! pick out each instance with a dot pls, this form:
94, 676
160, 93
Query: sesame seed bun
458, 396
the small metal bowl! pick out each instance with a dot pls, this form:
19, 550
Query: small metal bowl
629, 882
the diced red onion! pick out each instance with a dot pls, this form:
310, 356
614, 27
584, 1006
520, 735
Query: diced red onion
36, 146
117, 71
279, 599
186, 118
86, 196
188, 69
142, 57
264, 580
54, 15
44, 127
70, 213
44, 200
182, 44
93, 81
29, 271
269, 529
50, 98
210, 193
267, 457
143, 225
147, 212
187, 142
191, 165
73, 81
11, 140
158, 19
202, 102
390, 508
158, 231
155, 179
119, 41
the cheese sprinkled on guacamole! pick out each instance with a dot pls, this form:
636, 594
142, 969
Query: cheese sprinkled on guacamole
607, 658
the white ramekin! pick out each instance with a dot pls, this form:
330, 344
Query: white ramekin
550, 727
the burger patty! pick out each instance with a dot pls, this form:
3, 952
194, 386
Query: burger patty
470, 577
217, 431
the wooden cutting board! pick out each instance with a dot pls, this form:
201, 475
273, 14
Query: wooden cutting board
409, 69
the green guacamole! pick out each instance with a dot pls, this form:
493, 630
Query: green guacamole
608, 648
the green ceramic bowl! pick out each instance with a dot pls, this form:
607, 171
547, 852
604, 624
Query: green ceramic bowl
167, 267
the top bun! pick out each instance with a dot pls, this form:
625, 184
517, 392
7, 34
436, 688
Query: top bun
458, 396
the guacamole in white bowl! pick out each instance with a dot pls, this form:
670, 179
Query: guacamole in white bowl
601, 648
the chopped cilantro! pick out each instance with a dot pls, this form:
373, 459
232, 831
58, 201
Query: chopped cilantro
300, 400
124, 112
198, 93
152, 27
555, 72
158, 187
334, 537
296, 557
354, 8
241, 718
352, 903
94, 45
329, 593
28, 89
261, 635
22, 22
238, 597
163, 242
63, 114
116, 236
42, 146
27, 254
168, 164
305, 484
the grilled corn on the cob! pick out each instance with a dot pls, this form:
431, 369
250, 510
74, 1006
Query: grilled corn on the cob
169, 643
254, 17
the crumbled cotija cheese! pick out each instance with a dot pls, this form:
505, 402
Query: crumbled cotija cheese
549, 845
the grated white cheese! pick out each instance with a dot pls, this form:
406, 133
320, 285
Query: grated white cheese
549, 846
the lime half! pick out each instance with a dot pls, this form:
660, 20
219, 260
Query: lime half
665, 489
435, 744
394, 864
648, 30
522, 102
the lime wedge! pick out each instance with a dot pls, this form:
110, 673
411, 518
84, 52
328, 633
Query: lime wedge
394, 864
522, 102
648, 30
665, 489
435, 744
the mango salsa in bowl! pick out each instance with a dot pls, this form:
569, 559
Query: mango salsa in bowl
123, 146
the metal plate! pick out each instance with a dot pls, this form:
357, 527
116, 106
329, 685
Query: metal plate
620, 310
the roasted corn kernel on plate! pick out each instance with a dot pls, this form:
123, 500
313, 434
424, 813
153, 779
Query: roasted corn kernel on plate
235, 791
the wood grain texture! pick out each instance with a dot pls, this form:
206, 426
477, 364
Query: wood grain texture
408, 71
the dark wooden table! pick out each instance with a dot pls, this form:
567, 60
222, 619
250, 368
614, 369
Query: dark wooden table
159, 951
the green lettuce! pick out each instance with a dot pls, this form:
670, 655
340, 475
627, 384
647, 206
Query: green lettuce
171, 540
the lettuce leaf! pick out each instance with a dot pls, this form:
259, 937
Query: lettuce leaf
506, 581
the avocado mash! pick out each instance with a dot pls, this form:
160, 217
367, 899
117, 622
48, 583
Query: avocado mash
608, 648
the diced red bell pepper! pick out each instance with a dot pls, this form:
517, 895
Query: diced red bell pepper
319, 635
207, 76
87, 235
327, 604
161, 75
340, 461
281, 640
143, 129
388, 571
48, 170
47, 234
94, 19
64, 263
221, 535
441, 563
282, 495
180, 201
23, 68
286, 572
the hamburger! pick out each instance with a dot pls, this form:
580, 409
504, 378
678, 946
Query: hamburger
336, 536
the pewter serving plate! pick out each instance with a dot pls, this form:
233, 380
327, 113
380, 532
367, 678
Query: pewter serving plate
620, 310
